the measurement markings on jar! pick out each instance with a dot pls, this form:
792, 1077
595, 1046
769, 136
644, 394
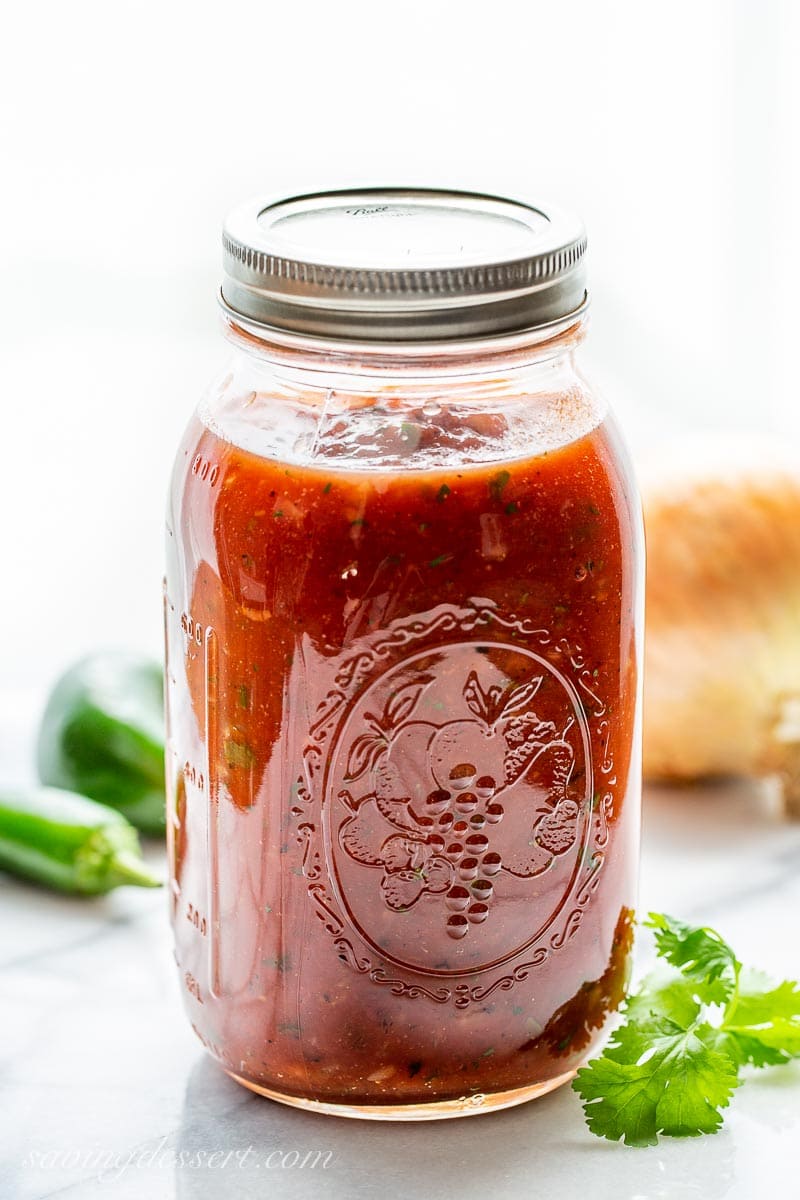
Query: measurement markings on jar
205, 470
193, 629
195, 918
193, 987
193, 776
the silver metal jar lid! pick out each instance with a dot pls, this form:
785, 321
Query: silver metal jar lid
402, 264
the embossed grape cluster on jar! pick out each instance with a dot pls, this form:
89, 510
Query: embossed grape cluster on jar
465, 815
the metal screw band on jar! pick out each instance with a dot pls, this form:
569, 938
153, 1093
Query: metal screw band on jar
414, 265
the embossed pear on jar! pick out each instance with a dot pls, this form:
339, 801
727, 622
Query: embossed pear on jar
457, 806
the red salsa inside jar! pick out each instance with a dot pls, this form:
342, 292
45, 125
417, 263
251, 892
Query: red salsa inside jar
415, 691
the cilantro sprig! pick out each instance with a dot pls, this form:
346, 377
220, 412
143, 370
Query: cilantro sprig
673, 1064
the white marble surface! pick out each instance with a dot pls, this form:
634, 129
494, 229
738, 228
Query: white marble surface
98, 1062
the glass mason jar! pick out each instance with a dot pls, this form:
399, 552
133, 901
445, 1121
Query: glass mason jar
403, 613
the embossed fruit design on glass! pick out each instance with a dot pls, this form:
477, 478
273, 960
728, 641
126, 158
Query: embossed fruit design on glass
402, 610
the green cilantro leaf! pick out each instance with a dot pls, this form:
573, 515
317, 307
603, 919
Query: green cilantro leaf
619, 1101
672, 1081
763, 1021
664, 993
701, 954
673, 1065
699, 1078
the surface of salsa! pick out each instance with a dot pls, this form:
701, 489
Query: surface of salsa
402, 658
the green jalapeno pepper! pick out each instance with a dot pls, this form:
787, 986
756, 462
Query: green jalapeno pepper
102, 735
68, 842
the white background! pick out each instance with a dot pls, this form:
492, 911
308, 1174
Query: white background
128, 129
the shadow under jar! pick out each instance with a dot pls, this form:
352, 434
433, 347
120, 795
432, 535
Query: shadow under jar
403, 607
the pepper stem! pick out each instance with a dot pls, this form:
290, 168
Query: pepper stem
125, 867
